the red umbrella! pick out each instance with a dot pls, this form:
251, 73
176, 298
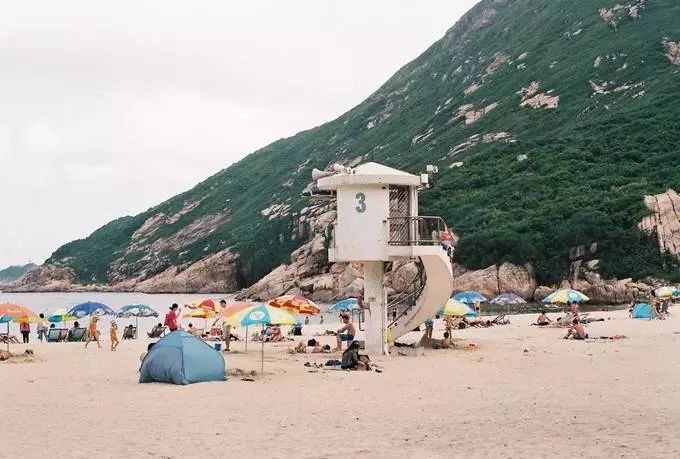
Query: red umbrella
296, 303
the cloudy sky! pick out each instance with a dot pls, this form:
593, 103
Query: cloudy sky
107, 108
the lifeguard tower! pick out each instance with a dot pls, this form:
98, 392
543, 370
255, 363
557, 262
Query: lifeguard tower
378, 222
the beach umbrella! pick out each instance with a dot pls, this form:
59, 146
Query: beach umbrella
470, 297
136, 310
295, 303
456, 308
90, 308
234, 309
664, 292
350, 304
60, 316
207, 304
565, 296
199, 314
18, 313
264, 314
508, 298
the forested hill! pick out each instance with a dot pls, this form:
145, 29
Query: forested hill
550, 121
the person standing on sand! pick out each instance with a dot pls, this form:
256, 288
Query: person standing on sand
171, 318
226, 329
114, 335
92, 332
346, 333
42, 328
321, 320
25, 329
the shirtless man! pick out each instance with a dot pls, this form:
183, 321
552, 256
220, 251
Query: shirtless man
346, 333
576, 330
543, 319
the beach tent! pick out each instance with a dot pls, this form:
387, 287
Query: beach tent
643, 311
181, 358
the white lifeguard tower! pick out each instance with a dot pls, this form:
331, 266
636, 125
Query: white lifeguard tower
378, 222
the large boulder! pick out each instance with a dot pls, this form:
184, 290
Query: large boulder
517, 279
541, 292
402, 275
45, 278
484, 281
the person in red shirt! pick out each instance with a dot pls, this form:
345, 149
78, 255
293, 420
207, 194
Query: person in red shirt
171, 318
25, 329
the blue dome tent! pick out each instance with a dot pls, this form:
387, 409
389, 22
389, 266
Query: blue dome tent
643, 311
181, 358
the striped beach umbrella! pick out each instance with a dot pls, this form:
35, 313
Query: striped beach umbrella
207, 304
664, 292
295, 303
508, 298
136, 310
264, 314
566, 296
456, 308
18, 313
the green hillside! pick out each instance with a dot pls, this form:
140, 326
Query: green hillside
604, 134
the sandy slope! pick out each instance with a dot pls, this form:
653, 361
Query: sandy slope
559, 399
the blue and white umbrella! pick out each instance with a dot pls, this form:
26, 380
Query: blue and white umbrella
350, 304
470, 297
136, 310
90, 308
508, 298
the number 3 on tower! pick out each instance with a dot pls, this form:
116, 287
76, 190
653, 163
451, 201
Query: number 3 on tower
361, 203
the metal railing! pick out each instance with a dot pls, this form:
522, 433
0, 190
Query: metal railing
416, 230
401, 304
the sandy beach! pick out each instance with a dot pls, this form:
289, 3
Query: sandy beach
521, 391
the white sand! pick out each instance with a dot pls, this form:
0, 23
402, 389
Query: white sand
560, 399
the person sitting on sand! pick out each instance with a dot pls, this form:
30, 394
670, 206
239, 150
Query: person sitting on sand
576, 330
543, 320
114, 335
346, 333
276, 334
445, 343
351, 360
312, 347
92, 332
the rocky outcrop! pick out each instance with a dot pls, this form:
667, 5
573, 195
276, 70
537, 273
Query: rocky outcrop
310, 274
484, 281
46, 278
506, 278
672, 51
664, 220
541, 292
517, 279
216, 273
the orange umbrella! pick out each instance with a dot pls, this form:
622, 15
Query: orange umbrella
17, 313
296, 303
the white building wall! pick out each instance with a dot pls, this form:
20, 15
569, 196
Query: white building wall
362, 229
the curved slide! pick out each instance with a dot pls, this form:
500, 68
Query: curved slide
437, 291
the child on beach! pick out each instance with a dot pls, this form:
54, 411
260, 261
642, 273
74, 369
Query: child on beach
114, 335
92, 332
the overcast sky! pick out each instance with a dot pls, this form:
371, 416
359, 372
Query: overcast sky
108, 108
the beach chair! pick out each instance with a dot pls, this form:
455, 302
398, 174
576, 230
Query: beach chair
501, 319
129, 332
55, 335
5, 338
76, 334
157, 332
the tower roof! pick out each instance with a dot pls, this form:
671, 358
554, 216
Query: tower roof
369, 174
